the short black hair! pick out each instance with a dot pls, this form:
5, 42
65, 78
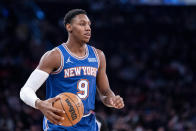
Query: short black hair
71, 14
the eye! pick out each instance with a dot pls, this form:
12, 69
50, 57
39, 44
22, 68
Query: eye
82, 24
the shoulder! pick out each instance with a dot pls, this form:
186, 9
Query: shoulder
98, 51
51, 55
50, 60
101, 58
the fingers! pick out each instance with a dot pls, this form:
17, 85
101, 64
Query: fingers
56, 118
118, 102
111, 102
53, 114
52, 117
52, 100
57, 111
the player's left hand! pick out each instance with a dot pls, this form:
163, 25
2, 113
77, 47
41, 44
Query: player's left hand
116, 102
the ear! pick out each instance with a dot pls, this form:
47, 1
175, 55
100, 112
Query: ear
69, 28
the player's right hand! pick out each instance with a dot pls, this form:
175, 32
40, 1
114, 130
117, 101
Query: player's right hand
51, 113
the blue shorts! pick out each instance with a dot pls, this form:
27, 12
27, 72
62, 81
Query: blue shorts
87, 123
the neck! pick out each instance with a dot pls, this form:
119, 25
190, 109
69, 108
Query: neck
76, 47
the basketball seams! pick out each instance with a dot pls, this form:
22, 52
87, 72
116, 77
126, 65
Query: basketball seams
65, 112
74, 104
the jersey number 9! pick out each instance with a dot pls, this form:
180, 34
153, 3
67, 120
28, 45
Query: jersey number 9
83, 88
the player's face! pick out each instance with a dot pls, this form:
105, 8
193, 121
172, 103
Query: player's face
81, 28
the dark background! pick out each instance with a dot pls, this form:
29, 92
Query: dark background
150, 54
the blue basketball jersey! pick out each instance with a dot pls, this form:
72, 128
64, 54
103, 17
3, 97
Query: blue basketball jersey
76, 75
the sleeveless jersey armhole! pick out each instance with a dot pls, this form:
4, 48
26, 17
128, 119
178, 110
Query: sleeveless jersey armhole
62, 63
97, 56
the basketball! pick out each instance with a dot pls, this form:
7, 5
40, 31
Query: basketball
73, 107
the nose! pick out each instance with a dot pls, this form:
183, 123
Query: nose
88, 28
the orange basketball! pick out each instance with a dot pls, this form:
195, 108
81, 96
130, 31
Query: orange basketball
73, 107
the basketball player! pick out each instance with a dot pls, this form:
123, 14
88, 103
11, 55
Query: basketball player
74, 67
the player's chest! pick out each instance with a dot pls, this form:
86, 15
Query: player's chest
72, 68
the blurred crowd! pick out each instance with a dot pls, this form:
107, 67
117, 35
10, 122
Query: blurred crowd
150, 62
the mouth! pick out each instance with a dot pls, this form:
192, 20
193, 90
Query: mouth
87, 34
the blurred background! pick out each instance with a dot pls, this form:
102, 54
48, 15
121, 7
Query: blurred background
149, 45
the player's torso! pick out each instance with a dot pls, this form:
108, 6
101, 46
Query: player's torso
76, 75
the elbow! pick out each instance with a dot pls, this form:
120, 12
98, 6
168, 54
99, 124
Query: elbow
22, 94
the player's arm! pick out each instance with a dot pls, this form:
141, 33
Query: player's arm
106, 94
49, 62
